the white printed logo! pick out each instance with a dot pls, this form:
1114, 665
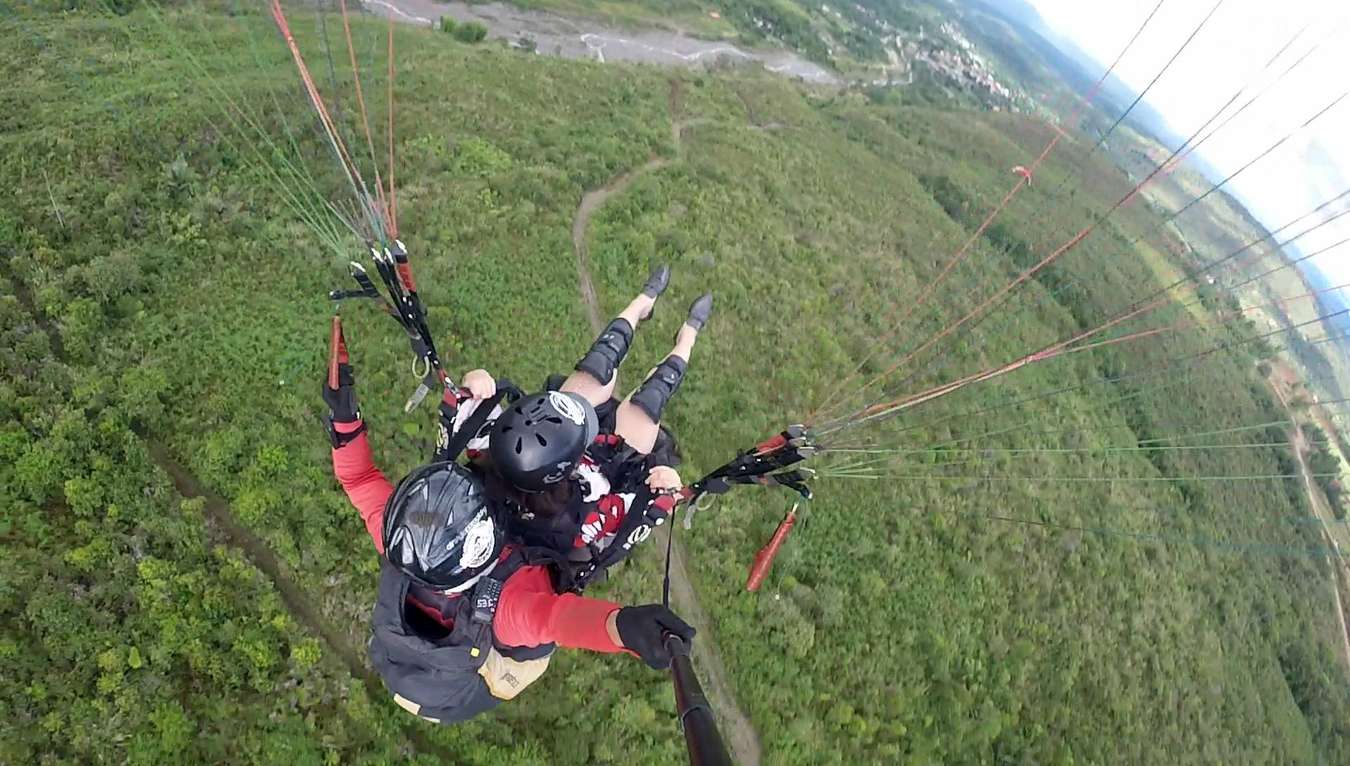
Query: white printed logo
478, 544
638, 535
559, 473
567, 407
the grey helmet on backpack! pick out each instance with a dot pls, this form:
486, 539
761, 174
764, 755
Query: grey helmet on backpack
440, 530
538, 442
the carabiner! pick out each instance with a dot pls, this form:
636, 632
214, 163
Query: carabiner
704, 501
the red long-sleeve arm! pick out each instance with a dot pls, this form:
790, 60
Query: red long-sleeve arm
365, 486
529, 613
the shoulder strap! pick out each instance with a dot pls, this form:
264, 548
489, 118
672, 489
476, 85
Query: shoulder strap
474, 423
486, 594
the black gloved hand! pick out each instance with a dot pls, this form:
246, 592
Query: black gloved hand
341, 401
643, 629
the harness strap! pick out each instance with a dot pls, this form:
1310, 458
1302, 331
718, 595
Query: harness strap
647, 511
475, 422
665, 581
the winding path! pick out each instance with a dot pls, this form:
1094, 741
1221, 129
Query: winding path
590, 202
737, 730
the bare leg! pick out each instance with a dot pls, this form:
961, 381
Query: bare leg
586, 383
635, 421
597, 373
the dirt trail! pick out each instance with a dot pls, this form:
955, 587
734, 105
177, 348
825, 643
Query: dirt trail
736, 728
223, 522
1319, 503
590, 202
1321, 509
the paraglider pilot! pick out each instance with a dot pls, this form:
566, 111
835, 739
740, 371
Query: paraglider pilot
466, 615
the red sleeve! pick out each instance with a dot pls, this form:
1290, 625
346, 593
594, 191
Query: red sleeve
365, 486
530, 614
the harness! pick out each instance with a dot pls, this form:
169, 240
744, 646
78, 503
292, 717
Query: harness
449, 673
766, 464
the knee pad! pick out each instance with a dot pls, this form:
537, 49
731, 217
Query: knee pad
656, 390
608, 351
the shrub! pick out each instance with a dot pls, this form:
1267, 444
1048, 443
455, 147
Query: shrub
469, 32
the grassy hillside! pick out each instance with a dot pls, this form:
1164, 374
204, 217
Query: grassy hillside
164, 316
1220, 225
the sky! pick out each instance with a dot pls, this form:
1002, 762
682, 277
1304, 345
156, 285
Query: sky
1233, 50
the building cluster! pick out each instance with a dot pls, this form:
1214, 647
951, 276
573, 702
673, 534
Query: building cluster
962, 66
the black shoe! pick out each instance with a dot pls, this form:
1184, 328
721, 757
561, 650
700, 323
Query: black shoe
657, 282
699, 312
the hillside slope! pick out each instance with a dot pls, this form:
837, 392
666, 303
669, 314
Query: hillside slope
166, 489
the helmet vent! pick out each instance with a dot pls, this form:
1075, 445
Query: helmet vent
520, 445
542, 441
554, 419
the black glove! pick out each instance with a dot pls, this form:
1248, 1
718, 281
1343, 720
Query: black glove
643, 629
341, 401
342, 407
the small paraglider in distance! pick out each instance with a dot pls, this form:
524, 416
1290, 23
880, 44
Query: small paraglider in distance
1023, 172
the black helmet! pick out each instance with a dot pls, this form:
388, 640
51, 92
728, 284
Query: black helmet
538, 442
439, 528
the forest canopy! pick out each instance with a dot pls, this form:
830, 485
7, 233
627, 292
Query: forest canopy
183, 581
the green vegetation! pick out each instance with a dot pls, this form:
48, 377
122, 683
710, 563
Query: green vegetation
164, 304
841, 34
1326, 467
466, 32
691, 16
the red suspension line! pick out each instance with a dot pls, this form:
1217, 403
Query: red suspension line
1161, 293
365, 117
962, 251
334, 137
1065, 347
1078, 238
